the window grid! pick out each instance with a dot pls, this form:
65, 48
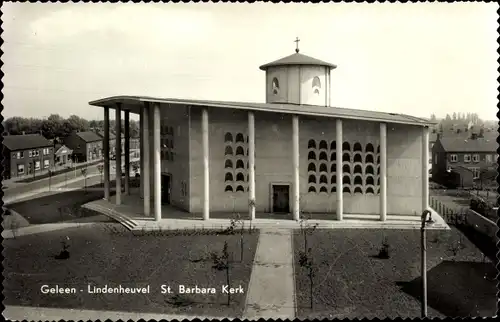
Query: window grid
360, 172
235, 162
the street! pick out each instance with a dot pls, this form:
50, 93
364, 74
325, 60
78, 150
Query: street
53, 183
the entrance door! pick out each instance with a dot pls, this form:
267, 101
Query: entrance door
165, 189
281, 198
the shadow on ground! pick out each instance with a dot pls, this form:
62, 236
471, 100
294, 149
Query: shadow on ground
477, 297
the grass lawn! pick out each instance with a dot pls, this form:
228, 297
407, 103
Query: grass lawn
108, 254
352, 282
53, 207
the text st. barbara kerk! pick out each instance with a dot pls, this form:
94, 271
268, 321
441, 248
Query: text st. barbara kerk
119, 289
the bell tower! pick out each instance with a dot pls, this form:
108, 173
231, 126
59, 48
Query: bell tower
298, 79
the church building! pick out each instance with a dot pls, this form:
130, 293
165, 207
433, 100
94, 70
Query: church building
295, 153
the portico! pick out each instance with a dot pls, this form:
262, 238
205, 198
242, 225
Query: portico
293, 155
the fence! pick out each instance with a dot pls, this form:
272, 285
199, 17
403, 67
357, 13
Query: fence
452, 215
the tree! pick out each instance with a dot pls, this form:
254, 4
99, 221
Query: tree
454, 116
78, 124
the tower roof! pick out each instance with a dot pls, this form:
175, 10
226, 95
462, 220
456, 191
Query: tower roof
297, 59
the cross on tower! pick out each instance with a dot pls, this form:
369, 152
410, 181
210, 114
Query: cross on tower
297, 42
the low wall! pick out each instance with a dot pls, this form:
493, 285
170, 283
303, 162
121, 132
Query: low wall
482, 224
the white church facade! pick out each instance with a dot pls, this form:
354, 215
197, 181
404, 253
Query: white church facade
295, 153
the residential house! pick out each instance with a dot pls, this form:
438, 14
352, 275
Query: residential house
86, 146
62, 155
458, 161
26, 154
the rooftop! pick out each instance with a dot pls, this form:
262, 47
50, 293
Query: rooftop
298, 59
460, 144
25, 142
136, 103
88, 136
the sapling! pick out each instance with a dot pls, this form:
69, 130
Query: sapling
222, 262
384, 250
306, 261
64, 254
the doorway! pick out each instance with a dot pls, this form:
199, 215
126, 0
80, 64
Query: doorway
281, 198
165, 188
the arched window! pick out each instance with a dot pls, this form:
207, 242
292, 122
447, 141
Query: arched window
346, 180
311, 155
312, 179
323, 156
228, 137
323, 179
323, 167
357, 158
240, 177
316, 85
229, 164
312, 189
333, 145
229, 177
323, 145
240, 188
229, 188
240, 138
311, 167
357, 147
358, 180
369, 180
369, 158
346, 168
346, 157
369, 190
240, 164
334, 189
369, 148
333, 167
333, 179
323, 189
347, 190
276, 86
358, 190
378, 149
346, 146
333, 156
311, 144
229, 150
369, 169
240, 151
357, 169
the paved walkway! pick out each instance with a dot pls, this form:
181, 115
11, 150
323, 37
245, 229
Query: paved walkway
37, 229
129, 213
22, 313
271, 292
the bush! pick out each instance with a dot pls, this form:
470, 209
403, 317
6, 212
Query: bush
480, 206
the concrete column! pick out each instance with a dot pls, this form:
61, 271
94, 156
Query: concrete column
105, 145
145, 163
118, 132
296, 180
251, 163
425, 168
151, 150
206, 164
127, 152
340, 189
157, 161
141, 152
383, 172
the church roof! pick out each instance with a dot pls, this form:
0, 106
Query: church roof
297, 59
135, 103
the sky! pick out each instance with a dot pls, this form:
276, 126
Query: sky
407, 58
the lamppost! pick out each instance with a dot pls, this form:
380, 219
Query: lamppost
50, 177
425, 222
